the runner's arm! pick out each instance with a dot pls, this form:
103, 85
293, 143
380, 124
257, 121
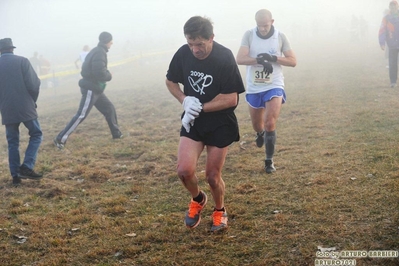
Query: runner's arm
221, 102
243, 57
289, 59
174, 89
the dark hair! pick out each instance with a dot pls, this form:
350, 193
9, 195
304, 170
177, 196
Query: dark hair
7, 50
198, 27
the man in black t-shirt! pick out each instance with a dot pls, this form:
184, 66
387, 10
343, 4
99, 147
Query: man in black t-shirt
211, 84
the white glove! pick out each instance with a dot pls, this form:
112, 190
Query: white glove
187, 121
192, 106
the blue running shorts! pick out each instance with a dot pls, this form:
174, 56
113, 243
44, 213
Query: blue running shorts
258, 100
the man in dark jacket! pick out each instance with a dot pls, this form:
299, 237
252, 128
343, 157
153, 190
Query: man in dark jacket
19, 90
92, 85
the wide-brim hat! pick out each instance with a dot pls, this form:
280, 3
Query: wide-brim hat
6, 43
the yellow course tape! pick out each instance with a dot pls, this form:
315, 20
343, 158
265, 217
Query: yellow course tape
113, 64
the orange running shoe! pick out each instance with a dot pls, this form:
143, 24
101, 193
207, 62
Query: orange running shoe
219, 220
193, 215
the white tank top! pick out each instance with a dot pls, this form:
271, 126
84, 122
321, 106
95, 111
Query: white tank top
256, 78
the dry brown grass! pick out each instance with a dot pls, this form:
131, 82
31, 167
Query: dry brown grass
105, 202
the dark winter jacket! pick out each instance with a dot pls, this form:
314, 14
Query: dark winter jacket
19, 89
94, 70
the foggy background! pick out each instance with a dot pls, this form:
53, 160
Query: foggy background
58, 29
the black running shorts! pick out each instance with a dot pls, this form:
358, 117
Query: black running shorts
214, 129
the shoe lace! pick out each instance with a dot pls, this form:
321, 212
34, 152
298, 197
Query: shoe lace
217, 217
194, 208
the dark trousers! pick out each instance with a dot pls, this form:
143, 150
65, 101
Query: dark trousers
90, 99
393, 64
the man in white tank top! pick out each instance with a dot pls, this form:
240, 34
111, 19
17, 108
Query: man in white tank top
264, 50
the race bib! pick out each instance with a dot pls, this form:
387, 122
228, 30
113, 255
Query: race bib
259, 77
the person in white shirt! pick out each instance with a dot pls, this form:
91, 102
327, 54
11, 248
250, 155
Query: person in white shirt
82, 56
264, 50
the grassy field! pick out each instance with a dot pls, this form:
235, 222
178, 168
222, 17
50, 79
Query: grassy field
105, 202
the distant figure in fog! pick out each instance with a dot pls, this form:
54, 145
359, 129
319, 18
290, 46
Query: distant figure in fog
212, 82
35, 62
82, 56
386, 52
363, 29
389, 35
19, 90
264, 50
44, 65
354, 30
92, 85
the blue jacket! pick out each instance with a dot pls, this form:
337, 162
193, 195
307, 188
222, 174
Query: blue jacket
389, 31
19, 89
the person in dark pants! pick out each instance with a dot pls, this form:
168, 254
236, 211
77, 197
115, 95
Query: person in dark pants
389, 34
19, 90
92, 85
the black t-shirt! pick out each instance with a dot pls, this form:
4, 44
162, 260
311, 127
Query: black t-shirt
205, 79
